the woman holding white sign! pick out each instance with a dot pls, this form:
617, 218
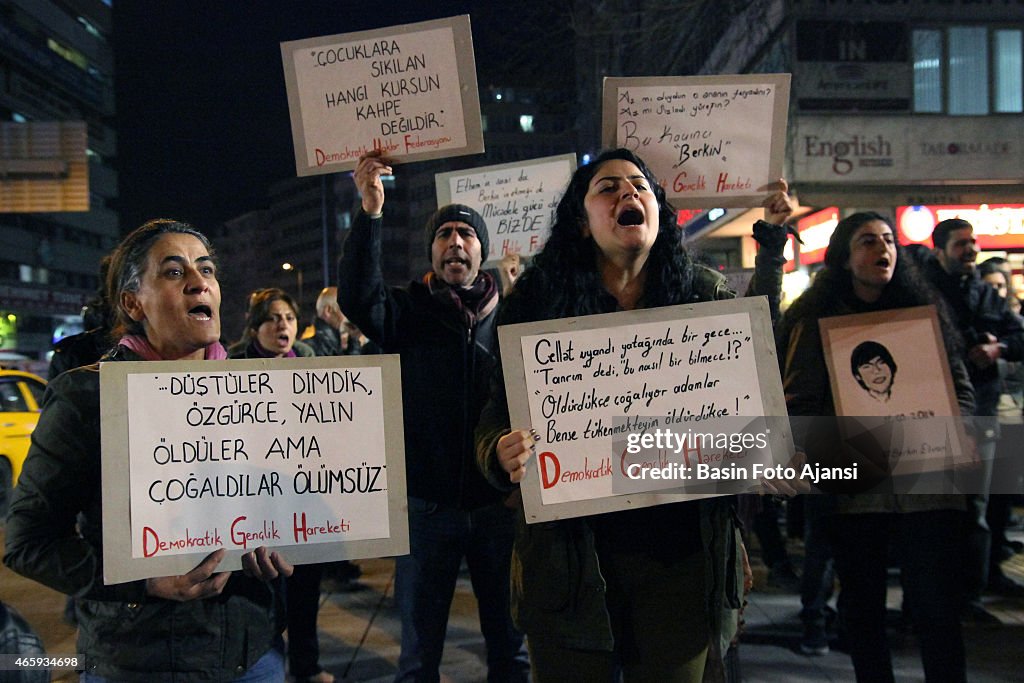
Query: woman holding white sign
654, 590
866, 270
203, 625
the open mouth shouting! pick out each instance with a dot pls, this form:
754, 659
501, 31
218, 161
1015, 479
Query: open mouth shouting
456, 262
283, 339
201, 313
630, 217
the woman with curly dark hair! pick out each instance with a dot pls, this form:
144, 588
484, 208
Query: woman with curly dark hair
866, 270
651, 591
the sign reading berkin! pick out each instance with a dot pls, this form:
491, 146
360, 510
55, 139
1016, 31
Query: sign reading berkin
304, 455
710, 140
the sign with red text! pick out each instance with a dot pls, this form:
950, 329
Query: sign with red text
408, 90
711, 140
303, 455
517, 200
996, 226
589, 384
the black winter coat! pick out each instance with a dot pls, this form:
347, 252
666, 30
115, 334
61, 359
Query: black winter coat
978, 309
125, 634
446, 368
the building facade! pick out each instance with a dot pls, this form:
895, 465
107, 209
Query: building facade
56, 64
913, 108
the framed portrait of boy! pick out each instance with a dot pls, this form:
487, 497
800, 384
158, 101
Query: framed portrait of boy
889, 372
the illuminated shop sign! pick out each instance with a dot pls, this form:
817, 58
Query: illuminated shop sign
815, 231
789, 252
996, 226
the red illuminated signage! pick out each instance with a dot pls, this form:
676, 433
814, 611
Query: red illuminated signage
815, 230
684, 216
996, 226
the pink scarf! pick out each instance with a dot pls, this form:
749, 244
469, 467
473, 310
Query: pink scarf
141, 346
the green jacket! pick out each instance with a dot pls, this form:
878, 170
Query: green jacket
124, 634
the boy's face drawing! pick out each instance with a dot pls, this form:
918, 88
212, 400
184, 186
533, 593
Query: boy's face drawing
876, 375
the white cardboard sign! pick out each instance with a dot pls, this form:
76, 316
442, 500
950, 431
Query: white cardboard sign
584, 383
517, 200
409, 91
303, 455
711, 140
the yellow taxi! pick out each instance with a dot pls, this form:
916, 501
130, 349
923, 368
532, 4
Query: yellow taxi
21, 395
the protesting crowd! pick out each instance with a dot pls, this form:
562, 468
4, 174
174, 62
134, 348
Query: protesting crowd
589, 598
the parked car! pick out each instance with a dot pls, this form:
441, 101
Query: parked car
21, 395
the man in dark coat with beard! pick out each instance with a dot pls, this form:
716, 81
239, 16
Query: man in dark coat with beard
443, 328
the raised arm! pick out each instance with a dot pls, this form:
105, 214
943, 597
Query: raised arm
362, 293
771, 234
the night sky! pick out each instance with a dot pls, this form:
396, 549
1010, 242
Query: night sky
202, 114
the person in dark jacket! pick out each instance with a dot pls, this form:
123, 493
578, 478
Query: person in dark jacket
650, 591
867, 271
333, 334
85, 348
201, 626
443, 328
991, 332
271, 327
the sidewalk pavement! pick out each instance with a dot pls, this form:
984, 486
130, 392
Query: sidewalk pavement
360, 633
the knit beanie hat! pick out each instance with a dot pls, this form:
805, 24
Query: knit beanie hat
463, 214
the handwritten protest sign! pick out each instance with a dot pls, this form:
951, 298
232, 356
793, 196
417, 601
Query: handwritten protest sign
408, 90
892, 366
590, 385
304, 455
517, 200
711, 140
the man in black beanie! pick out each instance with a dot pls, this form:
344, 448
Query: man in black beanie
443, 326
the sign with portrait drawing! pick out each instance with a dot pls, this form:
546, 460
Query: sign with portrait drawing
595, 386
889, 369
303, 455
408, 90
517, 200
710, 140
